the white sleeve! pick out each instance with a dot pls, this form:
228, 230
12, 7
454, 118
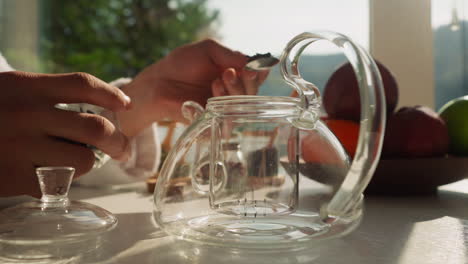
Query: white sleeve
146, 153
4, 66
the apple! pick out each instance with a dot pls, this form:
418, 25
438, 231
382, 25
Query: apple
341, 98
455, 115
415, 132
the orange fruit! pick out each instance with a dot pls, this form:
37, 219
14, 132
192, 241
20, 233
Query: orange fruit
318, 149
347, 133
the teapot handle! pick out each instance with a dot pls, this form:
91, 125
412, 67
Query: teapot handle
193, 111
199, 123
373, 115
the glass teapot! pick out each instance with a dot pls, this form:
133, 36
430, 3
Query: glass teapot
235, 176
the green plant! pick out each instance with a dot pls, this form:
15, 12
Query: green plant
116, 38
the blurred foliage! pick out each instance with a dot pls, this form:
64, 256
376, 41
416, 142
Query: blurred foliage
118, 38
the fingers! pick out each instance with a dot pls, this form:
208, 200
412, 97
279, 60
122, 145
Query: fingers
218, 88
24, 154
75, 88
56, 152
37, 134
20, 179
249, 79
235, 83
89, 129
262, 75
223, 56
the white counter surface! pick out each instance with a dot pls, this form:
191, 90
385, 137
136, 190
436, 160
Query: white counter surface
397, 230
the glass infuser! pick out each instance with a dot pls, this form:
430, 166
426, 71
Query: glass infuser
243, 156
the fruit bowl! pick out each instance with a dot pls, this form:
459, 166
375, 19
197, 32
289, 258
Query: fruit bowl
416, 175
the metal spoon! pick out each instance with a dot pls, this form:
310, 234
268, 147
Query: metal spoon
261, 62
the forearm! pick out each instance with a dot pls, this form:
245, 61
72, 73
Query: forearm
132, 122
143, 91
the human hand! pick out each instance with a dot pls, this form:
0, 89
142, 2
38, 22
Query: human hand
35, 133
238, 82
193, 72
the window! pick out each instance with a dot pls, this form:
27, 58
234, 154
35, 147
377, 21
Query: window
450, 50
19, 33
266, 26
416, 40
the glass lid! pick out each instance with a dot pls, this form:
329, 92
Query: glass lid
53, 219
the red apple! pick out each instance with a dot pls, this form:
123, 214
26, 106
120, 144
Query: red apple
341, 98
415, 132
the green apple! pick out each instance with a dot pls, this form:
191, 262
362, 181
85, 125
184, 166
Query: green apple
455, 115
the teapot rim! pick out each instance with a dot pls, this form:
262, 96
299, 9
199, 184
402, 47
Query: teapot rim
242, 99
